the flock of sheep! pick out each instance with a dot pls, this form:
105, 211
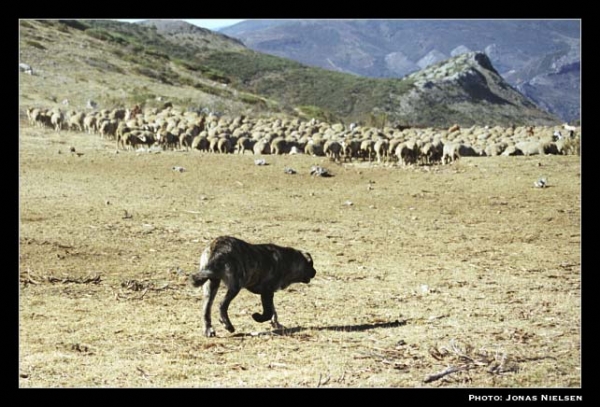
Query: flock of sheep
170, 128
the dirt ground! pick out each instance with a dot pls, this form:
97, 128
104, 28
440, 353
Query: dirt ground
420, 270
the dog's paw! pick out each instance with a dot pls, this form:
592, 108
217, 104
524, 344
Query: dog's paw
259, 317
277, 325
227, 325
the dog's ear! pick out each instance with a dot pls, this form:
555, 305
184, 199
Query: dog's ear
308, 257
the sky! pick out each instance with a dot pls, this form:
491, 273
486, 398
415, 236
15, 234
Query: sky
211, 24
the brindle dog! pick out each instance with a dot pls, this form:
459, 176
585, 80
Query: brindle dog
259, 268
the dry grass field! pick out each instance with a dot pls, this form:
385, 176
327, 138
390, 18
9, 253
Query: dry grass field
464, 266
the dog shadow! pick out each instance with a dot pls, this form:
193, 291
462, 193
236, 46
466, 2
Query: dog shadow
336, 328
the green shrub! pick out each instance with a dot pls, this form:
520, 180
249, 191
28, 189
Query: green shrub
156, 54
150, 73
99, 34
118, 52
208, 89
252, 99
34, 44
78, 25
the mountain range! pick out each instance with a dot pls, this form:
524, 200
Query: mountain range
540, 58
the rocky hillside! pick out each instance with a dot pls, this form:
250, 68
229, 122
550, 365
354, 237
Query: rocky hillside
117, 63
468, 85
529, 54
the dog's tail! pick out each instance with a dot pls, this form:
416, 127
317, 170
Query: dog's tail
198, 279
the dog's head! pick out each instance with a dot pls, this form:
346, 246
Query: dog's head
307, 271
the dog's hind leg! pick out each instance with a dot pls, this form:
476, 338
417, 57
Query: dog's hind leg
210, 292
229, 295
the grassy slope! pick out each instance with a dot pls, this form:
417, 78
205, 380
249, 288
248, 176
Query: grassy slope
119, 69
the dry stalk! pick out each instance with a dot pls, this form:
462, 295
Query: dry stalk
445, 372
466, 359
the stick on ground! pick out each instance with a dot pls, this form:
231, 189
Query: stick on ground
449, 370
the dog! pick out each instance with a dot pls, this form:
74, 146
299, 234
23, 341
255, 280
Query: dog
259, 268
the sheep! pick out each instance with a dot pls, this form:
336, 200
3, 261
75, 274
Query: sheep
89, 124
413, 151
33, 115
224, 145
279, 146
243, 144
129, 140
212, 144
556, 135
57, 120
404, 154
167, 140
367, 149
107, 128
261, 146
438, 149
185, 139
75, 121
381, 149
511, 150
450, 153
427, 153
200, 143
537, 148
146, 138
314, 148
465, 150
44, 119
570, 129
350, 149
495, 149
454, 128
332, 149
117, 114
529, 131
122, 127
393, 143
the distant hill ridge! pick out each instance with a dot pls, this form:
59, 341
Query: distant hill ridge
190, 34
529, 54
